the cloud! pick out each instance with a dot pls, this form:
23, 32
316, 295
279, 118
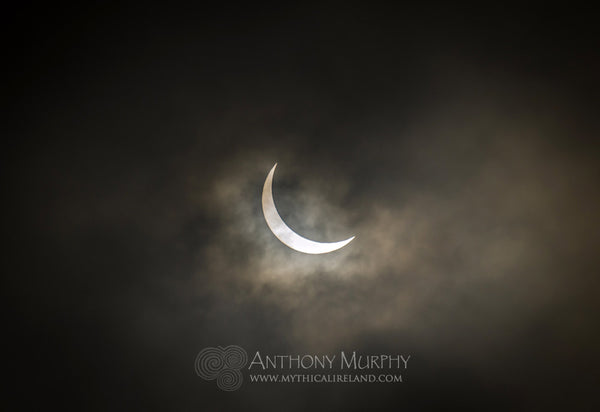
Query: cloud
467, 234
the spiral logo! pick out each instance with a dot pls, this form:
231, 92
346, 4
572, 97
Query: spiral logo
235, 357
222, 364
209, 363
230, 379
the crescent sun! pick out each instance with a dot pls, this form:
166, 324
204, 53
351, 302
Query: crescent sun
286, 235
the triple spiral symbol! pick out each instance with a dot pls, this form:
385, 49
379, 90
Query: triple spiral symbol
222, 364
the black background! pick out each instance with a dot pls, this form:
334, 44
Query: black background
112, 109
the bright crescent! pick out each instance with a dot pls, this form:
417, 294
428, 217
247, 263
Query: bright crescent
286, 235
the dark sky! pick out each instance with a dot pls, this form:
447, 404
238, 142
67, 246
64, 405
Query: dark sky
459, 144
